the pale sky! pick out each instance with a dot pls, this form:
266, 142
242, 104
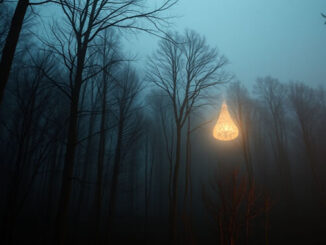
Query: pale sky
282, 38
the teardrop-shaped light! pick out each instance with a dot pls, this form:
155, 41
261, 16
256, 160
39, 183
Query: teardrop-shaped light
225, 129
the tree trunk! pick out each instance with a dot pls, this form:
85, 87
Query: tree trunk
61, 220
245, 148
66, 185
149, 164
187, 217
146, 190
86, 162
9, 48
115, 175
101, 152
188, 167
16, 178
247, 158
173, 202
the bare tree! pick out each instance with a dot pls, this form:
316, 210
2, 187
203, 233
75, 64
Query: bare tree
34, 135
273, 95
9, 48
11, 43
160, 109
150, 151
128, 129
85, 20
184, 70
108, 50
240, 104
234, 205
307, 109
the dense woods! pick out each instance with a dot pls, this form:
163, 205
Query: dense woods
94, 150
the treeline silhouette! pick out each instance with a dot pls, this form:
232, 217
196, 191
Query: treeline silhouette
95, 151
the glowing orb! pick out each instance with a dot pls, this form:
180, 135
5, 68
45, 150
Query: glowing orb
225, 129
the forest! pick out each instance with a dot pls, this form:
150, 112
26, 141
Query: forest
94, 150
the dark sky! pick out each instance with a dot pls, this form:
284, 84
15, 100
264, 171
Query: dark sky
282, 38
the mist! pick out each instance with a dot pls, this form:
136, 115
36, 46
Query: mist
162, 122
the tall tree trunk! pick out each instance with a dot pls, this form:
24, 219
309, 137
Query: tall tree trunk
115, 175
66, 186
283, 162
149, 160
86, 161
247, 158
61, 220
187, 217
245, 147
146, 189
9, 48
173, 202
101, 152
57, 153
16, 178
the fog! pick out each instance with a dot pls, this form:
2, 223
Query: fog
285, 39
162, 122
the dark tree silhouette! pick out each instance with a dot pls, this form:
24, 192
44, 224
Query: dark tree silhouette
242, 109
86, 20
9, 48
183, 70
273, 95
